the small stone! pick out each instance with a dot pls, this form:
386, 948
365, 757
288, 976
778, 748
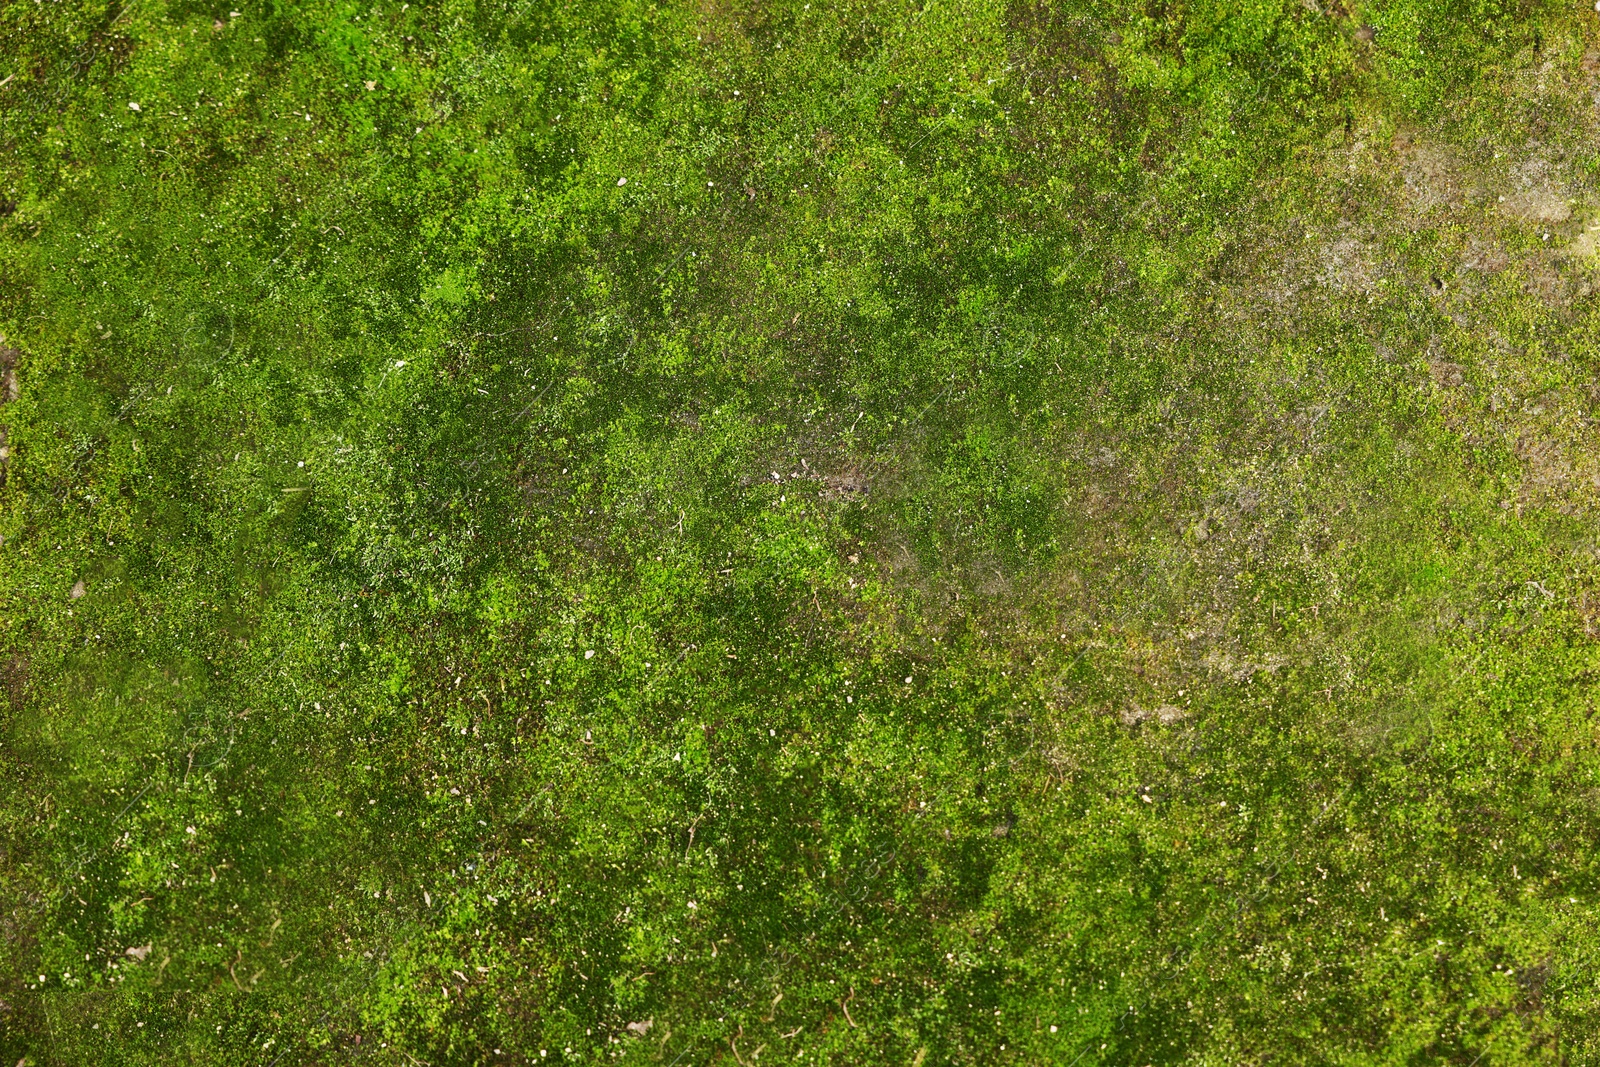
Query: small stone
78, 589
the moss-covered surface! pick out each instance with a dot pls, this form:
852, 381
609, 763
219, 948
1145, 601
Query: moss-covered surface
775, 532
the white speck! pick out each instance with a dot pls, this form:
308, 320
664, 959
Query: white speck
621, 182
189, 829
233, 14
308, 116
399, 363
908, 679
134, 107
693, 906
772, 733
302, 463
677, 757
589, 654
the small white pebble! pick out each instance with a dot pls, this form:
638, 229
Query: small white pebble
621, 182
589, 654
134, 107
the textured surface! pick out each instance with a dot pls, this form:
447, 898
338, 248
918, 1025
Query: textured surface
855, 533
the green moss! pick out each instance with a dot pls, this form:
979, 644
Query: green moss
854, 533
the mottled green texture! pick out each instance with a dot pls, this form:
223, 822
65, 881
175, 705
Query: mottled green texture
854, 533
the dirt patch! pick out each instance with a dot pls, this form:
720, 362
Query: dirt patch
1347, 265
1166, 714
845, 485
1585, 245
1430, 177
1485, 255
1447, 375
1536, 194
10, 389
